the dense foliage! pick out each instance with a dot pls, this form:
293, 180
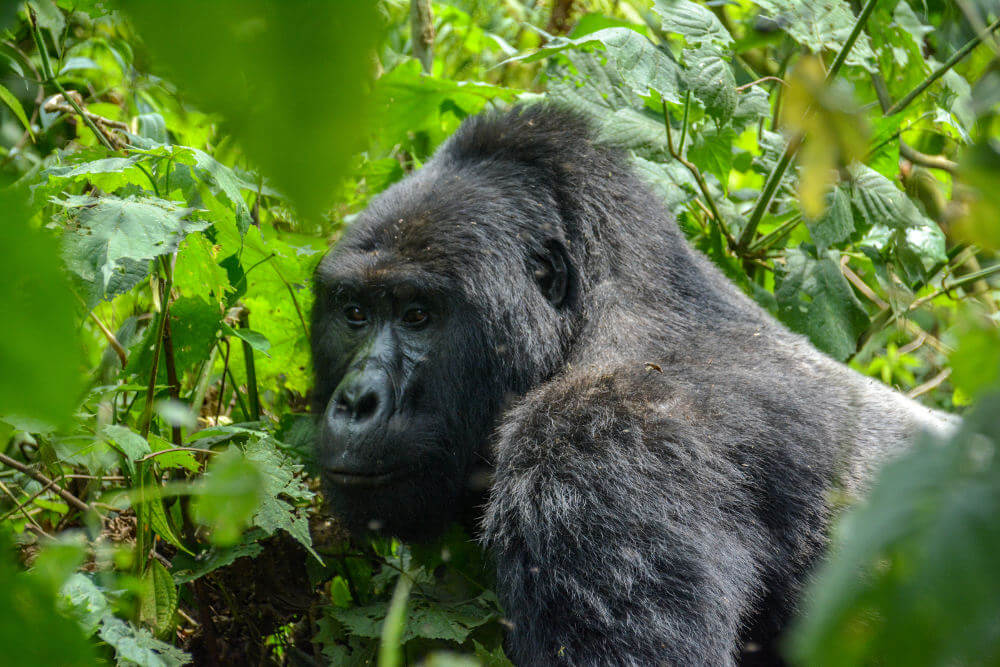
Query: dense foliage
172, 172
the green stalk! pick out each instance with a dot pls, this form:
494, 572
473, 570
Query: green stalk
942, 70
389, 653
147, 411
774, 178
50, 77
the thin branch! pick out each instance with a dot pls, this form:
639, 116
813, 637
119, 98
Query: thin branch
942, 70
31, 472
947, 286
925, 160
780, 232
740, 89
27, 515
21, 506
113, 342
933, 383
148, 457
699, 179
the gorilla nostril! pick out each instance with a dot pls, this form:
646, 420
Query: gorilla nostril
366, 406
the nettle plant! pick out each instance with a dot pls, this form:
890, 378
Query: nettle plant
166, 205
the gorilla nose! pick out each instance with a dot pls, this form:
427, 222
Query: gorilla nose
361, 397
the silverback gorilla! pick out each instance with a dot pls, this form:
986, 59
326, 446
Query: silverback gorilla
664, 454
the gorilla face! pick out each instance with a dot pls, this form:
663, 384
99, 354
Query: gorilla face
448, 296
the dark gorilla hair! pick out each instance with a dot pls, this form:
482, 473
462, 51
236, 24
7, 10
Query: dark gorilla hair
664, 453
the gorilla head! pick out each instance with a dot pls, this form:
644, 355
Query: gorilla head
455, 289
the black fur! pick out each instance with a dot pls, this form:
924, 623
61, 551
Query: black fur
665, 468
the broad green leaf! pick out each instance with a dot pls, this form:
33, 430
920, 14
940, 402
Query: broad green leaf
178, 459
975, 363
15, 106
80, 599
695, 22
129, 444
188, 569
289, 79
221, 176
137, 646
837, 222
639, 63
39, 353
815, 299
409, 101
710, 78
915, 580
821, 25
712, 149
880, 201
113, 239
159, 597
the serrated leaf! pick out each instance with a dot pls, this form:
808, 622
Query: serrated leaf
15, 106
712, 149
880, 201
837, 222
210, 169
159, 599
137, 646
186, 570
821, 25
113, 237
228, 495
129, 444
815, 299
80, 599
696, 23
711, 80
640, 64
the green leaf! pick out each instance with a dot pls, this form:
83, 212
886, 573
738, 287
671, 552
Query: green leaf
110, 245
188, 569
159, 597
257, 340
39, 356
696, 23
222, 177
821, 25
815, 299
129, 444
30, 609
711, 79
975, 363
255, 61
915, 580
880, 201
228, 495
837, 222
712, 149
138, 646
80, 599
640, 64
12, 102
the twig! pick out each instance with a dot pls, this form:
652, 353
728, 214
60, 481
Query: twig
147, 457
772, 237
740, 89
959, 282
933, 383
942, 70
30, 472
21, 506
113, 342
27, 515
925, 160
699, 179
863, 287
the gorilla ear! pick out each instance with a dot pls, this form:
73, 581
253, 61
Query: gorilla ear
551, 272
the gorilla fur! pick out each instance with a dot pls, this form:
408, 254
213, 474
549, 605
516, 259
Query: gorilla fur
666, 456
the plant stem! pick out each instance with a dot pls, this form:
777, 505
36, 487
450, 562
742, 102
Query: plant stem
147, 411
845, 50
942, 70
769, 239
31, 472
252, 394
775, 177
684, 122
699, 179
422, 33
50, 77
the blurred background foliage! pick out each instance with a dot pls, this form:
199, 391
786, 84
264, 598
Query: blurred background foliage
172, 172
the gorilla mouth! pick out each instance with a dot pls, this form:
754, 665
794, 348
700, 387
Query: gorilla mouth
360, 478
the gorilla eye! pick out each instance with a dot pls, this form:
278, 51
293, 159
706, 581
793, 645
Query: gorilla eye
415, 316
355, 315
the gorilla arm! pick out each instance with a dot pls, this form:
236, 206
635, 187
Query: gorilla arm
620, 536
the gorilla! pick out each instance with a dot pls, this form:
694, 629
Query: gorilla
664, 457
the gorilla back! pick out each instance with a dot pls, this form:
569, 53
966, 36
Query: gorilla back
664, 452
